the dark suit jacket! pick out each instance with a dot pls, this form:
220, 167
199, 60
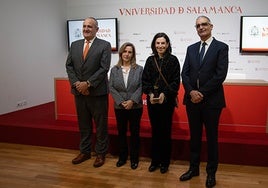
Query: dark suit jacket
170, 69
95, 67
211, 73
133, 91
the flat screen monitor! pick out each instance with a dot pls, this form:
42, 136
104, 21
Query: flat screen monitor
254, 34
107, 31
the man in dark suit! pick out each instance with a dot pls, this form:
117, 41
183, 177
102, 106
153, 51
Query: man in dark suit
203, 74
87, 72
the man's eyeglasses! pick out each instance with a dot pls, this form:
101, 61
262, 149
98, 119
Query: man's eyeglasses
202, 24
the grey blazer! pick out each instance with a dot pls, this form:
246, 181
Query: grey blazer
133, 91
94, 69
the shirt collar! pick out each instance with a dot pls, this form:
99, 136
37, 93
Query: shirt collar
90, 41
208, 41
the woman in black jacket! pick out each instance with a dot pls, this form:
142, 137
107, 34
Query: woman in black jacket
161, 82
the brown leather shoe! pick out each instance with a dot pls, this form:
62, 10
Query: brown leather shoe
81, 158
100, 159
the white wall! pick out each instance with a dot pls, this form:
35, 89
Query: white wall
33, 51
140, 27
27, 72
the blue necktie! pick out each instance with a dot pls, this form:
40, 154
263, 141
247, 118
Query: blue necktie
202, 51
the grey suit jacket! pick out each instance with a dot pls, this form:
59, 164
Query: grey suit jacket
133, 91
94, 69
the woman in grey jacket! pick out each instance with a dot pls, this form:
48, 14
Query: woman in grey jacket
126, 89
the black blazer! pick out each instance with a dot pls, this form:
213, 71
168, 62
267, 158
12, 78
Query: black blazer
95, 67
208, 77
170, 68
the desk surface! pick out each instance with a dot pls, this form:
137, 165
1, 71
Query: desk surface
226, 82
246, 82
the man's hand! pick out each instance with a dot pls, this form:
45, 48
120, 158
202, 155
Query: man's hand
196, 96
82, 87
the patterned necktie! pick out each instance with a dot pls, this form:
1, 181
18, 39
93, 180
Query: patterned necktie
202, 51
86, 50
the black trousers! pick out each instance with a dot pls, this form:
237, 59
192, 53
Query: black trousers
160, 116
199, 115
132, 118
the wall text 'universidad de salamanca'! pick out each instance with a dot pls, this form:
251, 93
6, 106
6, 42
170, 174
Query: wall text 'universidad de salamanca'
150, 11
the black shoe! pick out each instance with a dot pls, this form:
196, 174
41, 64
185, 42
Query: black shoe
134, 165
189, 174
163, 169
152, 167
120, 163
211, 181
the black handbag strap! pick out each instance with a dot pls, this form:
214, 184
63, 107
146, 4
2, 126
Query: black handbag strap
159, 70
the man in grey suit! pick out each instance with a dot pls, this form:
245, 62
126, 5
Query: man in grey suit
87, 73
204, 70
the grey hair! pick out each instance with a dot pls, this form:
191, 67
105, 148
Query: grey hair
202, 16
92, 18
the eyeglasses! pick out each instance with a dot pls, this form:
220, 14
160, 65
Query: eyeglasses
202, 24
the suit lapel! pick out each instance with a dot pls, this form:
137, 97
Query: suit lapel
196, 51
208, 52
120, 77
131, 75
80, 51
